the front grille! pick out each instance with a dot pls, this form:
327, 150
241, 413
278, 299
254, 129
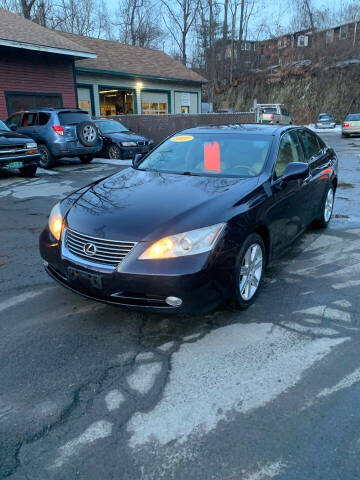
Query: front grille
109, 252
9, 150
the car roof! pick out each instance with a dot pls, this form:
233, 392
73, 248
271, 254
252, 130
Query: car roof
249, 128
50, 109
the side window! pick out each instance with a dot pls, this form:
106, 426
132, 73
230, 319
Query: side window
13, 121
311, 145
289, 151
29, 119
43, 118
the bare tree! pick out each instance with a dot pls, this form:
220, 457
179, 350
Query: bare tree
179, 19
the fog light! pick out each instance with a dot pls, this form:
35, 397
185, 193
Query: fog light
173, 301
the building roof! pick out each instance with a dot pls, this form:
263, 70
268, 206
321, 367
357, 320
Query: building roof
16, 31
127, 60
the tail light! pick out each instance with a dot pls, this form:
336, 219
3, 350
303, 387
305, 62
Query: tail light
272, 117
346, 125
58, 129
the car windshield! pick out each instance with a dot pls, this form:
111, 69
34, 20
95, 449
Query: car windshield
3, 127
325, 117
111, 126
218, 154
353, 116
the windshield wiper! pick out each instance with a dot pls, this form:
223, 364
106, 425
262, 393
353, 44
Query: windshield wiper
191, 174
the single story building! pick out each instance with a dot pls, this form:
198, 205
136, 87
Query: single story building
125, 79
36, 66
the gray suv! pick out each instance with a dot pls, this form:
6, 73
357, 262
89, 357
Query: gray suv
60, 132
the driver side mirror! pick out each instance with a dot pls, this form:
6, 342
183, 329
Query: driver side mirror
137, 160
12, 127
295, 171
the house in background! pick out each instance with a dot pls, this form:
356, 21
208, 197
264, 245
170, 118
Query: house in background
36, 65
125, 79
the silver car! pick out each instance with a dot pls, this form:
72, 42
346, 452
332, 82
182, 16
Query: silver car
325, 120
351, 124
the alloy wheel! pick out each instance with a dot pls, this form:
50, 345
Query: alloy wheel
114, 152
43, 156
329, 204
89, 133
251, 271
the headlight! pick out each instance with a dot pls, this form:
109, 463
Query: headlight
56, 221
151, 141
183, 244
31, 145
129, 144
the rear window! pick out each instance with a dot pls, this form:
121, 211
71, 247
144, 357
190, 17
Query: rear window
325, 117
353, 116
71, 118
269, 110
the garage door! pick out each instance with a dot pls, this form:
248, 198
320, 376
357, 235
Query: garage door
154, 103
25, 101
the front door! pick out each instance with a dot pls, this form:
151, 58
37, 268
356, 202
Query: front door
85, 100
286, 212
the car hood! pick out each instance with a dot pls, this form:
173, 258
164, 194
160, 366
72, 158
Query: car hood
13, 138
136, 205
125, 137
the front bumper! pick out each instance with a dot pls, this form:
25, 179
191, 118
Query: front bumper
130, 152
27, 160
66, 149
142, 285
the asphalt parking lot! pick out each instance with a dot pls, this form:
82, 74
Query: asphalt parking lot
90, 391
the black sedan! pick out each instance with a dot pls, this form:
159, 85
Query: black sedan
194, 223
119, 142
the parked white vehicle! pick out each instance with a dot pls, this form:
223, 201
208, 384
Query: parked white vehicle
273, 113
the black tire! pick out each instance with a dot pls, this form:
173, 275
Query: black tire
238, 301
86, 158
324, 220
87, 133
114, 152
47, 160
29, 171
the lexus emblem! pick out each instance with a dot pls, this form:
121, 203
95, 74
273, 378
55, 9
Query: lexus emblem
89, 249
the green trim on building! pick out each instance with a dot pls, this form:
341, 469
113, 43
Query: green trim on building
135, 76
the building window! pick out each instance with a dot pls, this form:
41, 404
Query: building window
302, 41
329, 36
343, 33
27, 101
153, 108
116, 101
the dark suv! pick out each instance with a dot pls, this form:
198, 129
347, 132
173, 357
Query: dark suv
60, 132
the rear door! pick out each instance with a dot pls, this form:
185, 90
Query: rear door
28, 124
319, 159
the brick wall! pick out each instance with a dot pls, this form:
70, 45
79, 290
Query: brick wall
161, 126
30, 72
